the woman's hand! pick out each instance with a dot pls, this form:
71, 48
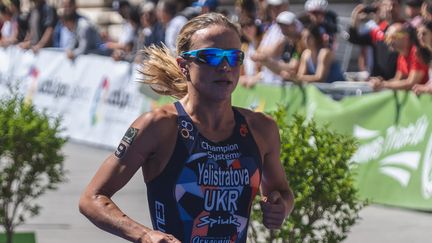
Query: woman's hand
155, 236
377, 83
422, 88
274, 210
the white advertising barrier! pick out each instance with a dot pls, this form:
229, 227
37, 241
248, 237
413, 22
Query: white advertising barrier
96, 97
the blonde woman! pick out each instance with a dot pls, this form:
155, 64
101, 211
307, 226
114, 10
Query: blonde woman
202, 159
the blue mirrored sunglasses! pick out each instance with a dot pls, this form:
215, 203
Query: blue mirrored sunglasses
214, 56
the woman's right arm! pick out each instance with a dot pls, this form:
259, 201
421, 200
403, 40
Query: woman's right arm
139, 142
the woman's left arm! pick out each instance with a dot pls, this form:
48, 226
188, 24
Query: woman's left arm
278, 199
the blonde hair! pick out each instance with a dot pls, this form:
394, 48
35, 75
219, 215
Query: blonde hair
160, 68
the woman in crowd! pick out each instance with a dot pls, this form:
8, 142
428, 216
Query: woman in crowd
317, 62
410, 69
15, 24
424, 36
250, 37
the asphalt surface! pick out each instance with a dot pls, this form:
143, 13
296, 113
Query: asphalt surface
61, 222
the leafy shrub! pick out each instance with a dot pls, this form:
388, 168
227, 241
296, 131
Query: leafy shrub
30, 160
316, 162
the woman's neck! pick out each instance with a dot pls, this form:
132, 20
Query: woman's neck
209, 114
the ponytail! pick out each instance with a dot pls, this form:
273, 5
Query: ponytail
161, 72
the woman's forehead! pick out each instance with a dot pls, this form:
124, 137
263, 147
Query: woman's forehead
215, 36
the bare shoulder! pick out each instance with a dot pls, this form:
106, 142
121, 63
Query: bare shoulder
255, 117
156, 126
157, 118
261, 124
325, 53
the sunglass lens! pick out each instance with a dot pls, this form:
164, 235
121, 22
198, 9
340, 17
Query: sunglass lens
211, 57
214, 57
235, 58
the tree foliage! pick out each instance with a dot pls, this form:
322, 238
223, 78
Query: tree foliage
316, 162
30, 160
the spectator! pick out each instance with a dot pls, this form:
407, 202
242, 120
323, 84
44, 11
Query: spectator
126, 50
129, 28
424, 42
411, 69
150, 33
9, 29
250, 37
152, 30
86, 38
368, 21
289, 48
15, 26
424, 35
325, 19
263, 13
206, 6
384, 59
422, 88
172, 22
42, 21
272, 36
62, 37
246, 9
426, 11
413, 12
317, 62
1, 22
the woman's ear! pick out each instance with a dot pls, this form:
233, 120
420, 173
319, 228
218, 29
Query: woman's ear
184, 67
181, 62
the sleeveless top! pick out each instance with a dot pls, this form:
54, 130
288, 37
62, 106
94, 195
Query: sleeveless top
334, 74
206, 190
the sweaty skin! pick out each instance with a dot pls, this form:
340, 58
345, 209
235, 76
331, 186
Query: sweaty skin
208, 103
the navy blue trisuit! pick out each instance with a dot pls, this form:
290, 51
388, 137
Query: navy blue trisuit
205, 192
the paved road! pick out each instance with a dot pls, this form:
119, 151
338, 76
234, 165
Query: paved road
60, 221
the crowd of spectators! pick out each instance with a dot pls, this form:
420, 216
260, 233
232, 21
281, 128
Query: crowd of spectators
395, 36
394, 31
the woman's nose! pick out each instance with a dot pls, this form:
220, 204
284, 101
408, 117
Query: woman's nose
224, 66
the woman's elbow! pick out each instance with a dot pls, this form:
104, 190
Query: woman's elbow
84, 204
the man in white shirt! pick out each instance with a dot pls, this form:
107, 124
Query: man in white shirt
167, 15
86, 38
271, 37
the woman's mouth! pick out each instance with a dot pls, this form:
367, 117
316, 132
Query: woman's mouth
222, 82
